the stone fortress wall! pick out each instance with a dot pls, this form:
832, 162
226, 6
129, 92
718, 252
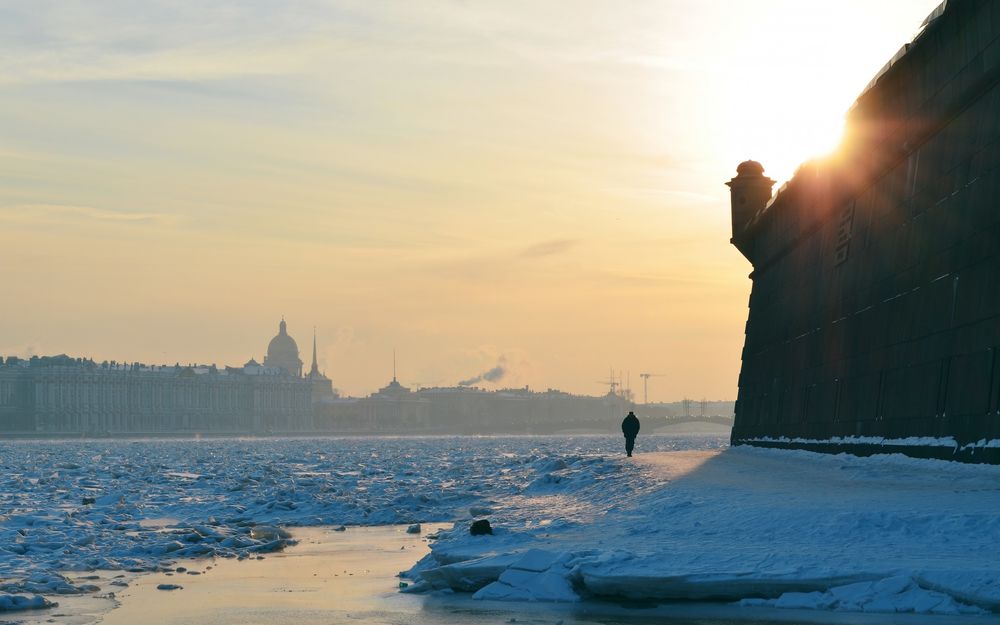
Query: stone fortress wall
874, 317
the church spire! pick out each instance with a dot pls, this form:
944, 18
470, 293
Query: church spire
314, 372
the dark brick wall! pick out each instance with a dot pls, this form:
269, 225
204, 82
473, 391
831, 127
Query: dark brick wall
875, 308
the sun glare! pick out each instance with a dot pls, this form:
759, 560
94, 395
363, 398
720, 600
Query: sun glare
792, 90
796, 140
784, 131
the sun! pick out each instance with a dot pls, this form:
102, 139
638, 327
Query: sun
783, 97
784, 132
796, 139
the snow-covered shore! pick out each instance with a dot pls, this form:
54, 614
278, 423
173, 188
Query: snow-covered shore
757, 526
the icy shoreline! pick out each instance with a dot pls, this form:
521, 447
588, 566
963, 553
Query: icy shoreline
778, 528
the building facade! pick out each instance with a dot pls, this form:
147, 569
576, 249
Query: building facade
80, 397
76, 396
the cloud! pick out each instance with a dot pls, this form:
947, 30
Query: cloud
47, 41
548, 248
54, 213
676, 196
501, 265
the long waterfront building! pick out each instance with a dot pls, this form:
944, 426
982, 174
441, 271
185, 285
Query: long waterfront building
74, 396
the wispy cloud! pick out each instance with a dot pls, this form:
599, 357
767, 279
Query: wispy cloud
44, 41
47, 40
548, 248
676, 196
53, 213
504, 264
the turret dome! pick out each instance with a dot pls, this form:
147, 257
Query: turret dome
750, 168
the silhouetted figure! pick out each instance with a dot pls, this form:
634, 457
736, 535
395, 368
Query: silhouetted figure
630, 428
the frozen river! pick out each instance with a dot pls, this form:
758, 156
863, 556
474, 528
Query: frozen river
760, 534
108, 504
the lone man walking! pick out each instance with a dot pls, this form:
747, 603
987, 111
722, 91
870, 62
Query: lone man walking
630, 428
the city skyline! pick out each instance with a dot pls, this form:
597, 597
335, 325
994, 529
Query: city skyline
463, 183
493, 379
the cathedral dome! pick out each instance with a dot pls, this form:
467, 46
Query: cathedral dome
282, 344
283, 352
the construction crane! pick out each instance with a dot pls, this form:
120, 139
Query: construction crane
645, 384
619, 384
606, 383
612, 383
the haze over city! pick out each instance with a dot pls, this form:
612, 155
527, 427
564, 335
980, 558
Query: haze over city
470, 184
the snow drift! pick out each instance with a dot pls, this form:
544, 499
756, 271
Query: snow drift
757, 526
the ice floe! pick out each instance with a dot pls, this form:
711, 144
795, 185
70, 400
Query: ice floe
13, 603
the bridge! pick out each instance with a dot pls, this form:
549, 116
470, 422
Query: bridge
717, 420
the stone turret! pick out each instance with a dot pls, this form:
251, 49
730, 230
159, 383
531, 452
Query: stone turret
749, 192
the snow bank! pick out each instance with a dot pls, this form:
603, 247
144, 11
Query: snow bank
759, 526
911, 441
948, 442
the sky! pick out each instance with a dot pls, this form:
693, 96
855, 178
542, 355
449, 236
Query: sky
532, 185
